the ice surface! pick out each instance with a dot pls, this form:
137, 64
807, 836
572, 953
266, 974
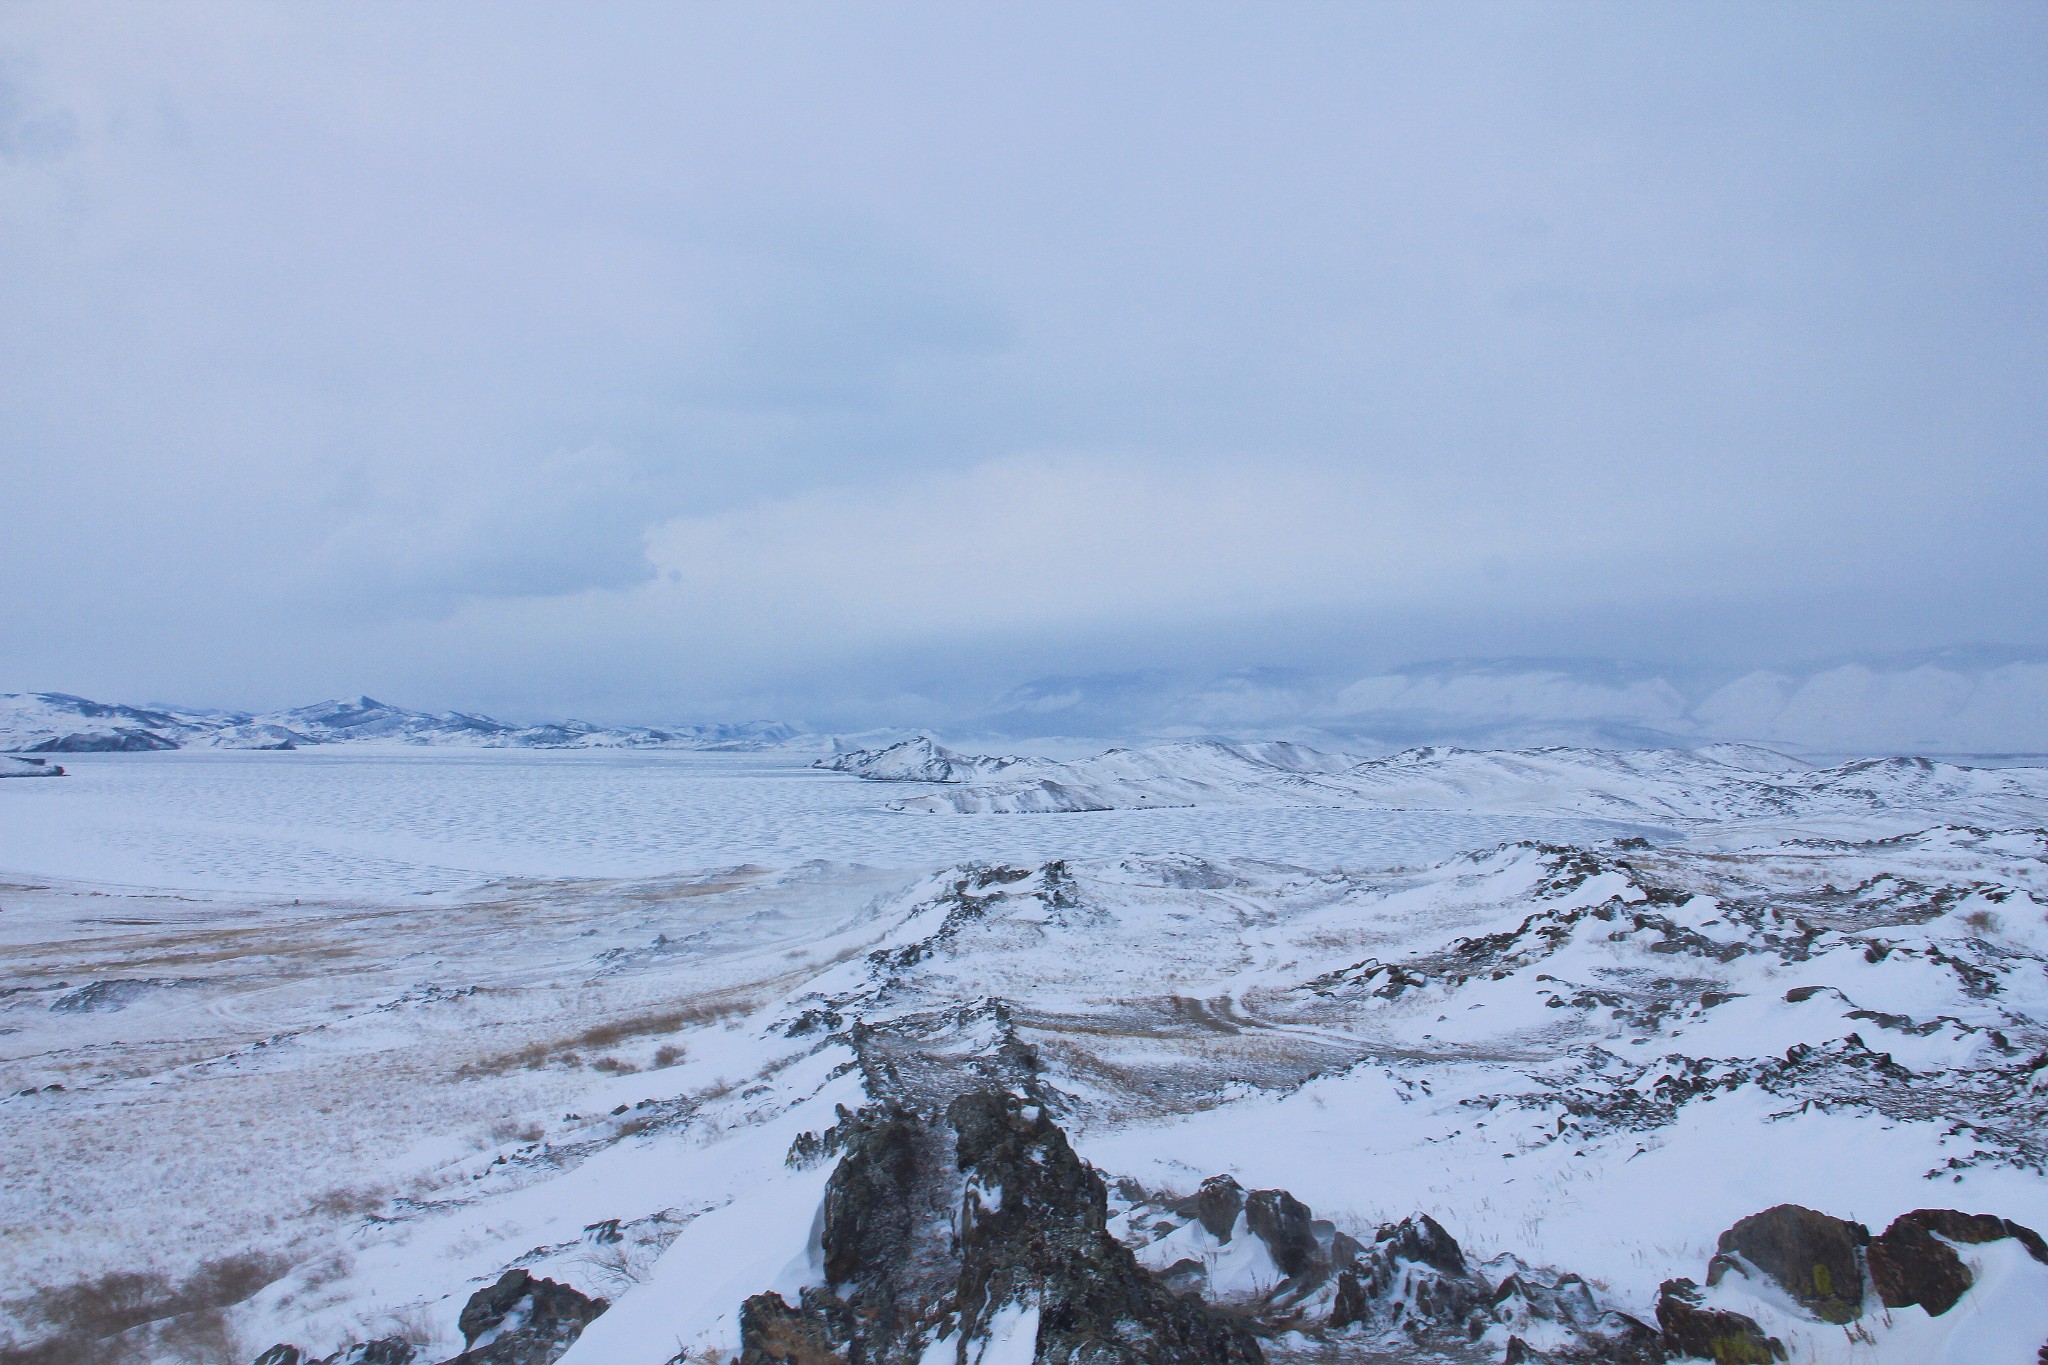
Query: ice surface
353, 820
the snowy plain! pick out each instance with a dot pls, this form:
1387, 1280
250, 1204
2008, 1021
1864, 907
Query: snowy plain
383, 1023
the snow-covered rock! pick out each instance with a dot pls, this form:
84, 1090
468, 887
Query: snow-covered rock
28, 767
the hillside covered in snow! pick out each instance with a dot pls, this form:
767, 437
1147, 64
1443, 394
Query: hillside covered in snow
1536, 1103
1721, 782
55, 722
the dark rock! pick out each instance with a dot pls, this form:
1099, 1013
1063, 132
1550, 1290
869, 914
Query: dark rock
1812, 1256
1350, 1304
1282, 1222
281, 1354
923, 1249
1697, 1333
773, 1333
1215, 1206
547, 1318
1048, 1241
867, 1200
1422, 1239
1911, 1264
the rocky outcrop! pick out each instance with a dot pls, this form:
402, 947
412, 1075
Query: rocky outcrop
1021, 1237
523, 1320
1827, 1266
1813, 1257
1411, 1293
519, 1320
1911, 1262
1692, 1332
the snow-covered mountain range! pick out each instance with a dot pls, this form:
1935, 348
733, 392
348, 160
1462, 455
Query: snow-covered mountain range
55, 722
1721, 782
1954, 701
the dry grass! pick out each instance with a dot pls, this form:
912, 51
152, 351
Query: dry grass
568, 1051
350, 1201
129, 1316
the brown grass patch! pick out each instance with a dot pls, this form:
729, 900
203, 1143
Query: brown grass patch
568, 1051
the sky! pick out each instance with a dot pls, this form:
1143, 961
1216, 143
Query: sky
721, 360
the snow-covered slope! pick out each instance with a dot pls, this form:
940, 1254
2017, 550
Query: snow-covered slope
54, 722
1717, 783
28, 767
1160, 1109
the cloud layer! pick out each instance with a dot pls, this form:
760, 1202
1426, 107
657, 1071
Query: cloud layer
656, 357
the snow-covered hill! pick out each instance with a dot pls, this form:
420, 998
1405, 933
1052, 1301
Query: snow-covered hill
1720, 782
55, 722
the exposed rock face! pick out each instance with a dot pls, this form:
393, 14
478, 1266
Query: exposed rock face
1814, 1257
523, 1320
1696, 1333
1911, 1264
1023, 1229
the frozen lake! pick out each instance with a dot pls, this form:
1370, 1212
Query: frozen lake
407, 821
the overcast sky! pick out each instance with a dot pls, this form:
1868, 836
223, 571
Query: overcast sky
711, 359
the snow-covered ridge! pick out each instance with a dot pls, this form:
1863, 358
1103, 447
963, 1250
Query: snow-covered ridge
56, 722
1720, 782
924, 759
